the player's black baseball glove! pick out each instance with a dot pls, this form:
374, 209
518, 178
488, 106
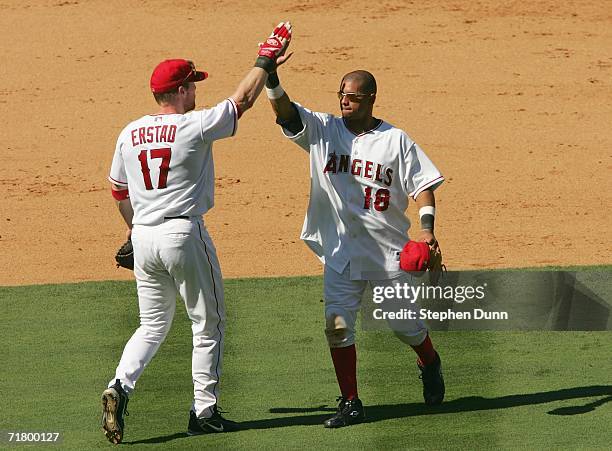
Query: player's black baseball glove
435, 267
125, 256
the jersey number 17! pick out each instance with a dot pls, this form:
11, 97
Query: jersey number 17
165, 154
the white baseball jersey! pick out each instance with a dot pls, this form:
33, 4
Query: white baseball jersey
360, 187
166, 161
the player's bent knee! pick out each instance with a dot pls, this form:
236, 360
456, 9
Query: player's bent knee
338, 332
340, 338
153, 335
412, 338
155, 330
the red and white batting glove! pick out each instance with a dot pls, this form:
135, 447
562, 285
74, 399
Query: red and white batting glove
278, 41
274, 47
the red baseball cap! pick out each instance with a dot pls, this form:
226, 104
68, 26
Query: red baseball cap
414, 256
170, 74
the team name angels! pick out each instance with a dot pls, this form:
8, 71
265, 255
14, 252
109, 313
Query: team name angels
362, 168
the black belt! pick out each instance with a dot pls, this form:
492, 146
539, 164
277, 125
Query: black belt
176, 217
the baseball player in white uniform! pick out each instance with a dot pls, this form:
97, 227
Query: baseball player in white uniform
162, 177
363, 173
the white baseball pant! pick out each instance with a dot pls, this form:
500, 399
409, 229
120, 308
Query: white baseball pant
343, 301
177, 257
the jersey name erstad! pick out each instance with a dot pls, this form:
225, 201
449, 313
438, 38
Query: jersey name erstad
155, 133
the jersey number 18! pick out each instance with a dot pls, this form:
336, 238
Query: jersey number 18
165, 154
381, 201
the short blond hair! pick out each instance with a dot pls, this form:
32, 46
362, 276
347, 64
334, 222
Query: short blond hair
168, 97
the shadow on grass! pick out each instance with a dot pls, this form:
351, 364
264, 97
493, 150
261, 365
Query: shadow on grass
383, 412
578, 410
161, 439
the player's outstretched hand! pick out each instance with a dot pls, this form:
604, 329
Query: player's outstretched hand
277, 43
274, 47
283, 58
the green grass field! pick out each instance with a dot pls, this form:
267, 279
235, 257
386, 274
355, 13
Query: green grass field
505, 390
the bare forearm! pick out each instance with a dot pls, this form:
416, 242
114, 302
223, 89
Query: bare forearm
279, 100
426, 199
249, 88
122, 199
286, 114
283, 109
127, 213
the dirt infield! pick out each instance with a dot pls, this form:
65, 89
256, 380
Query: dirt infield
513, 103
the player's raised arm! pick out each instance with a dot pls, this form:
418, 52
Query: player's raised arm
250, 87
286, 113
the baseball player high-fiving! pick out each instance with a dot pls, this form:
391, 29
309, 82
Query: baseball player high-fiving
363, 173
162, 177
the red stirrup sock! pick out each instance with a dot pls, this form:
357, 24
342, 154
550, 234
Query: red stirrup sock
345, 364
425, 351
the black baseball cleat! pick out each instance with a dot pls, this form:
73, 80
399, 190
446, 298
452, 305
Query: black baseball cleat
114, 408
350, 411
433, 382
215, 424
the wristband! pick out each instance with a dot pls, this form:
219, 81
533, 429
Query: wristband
120, 194
267, 64
275, 93
272, 81
427, 215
